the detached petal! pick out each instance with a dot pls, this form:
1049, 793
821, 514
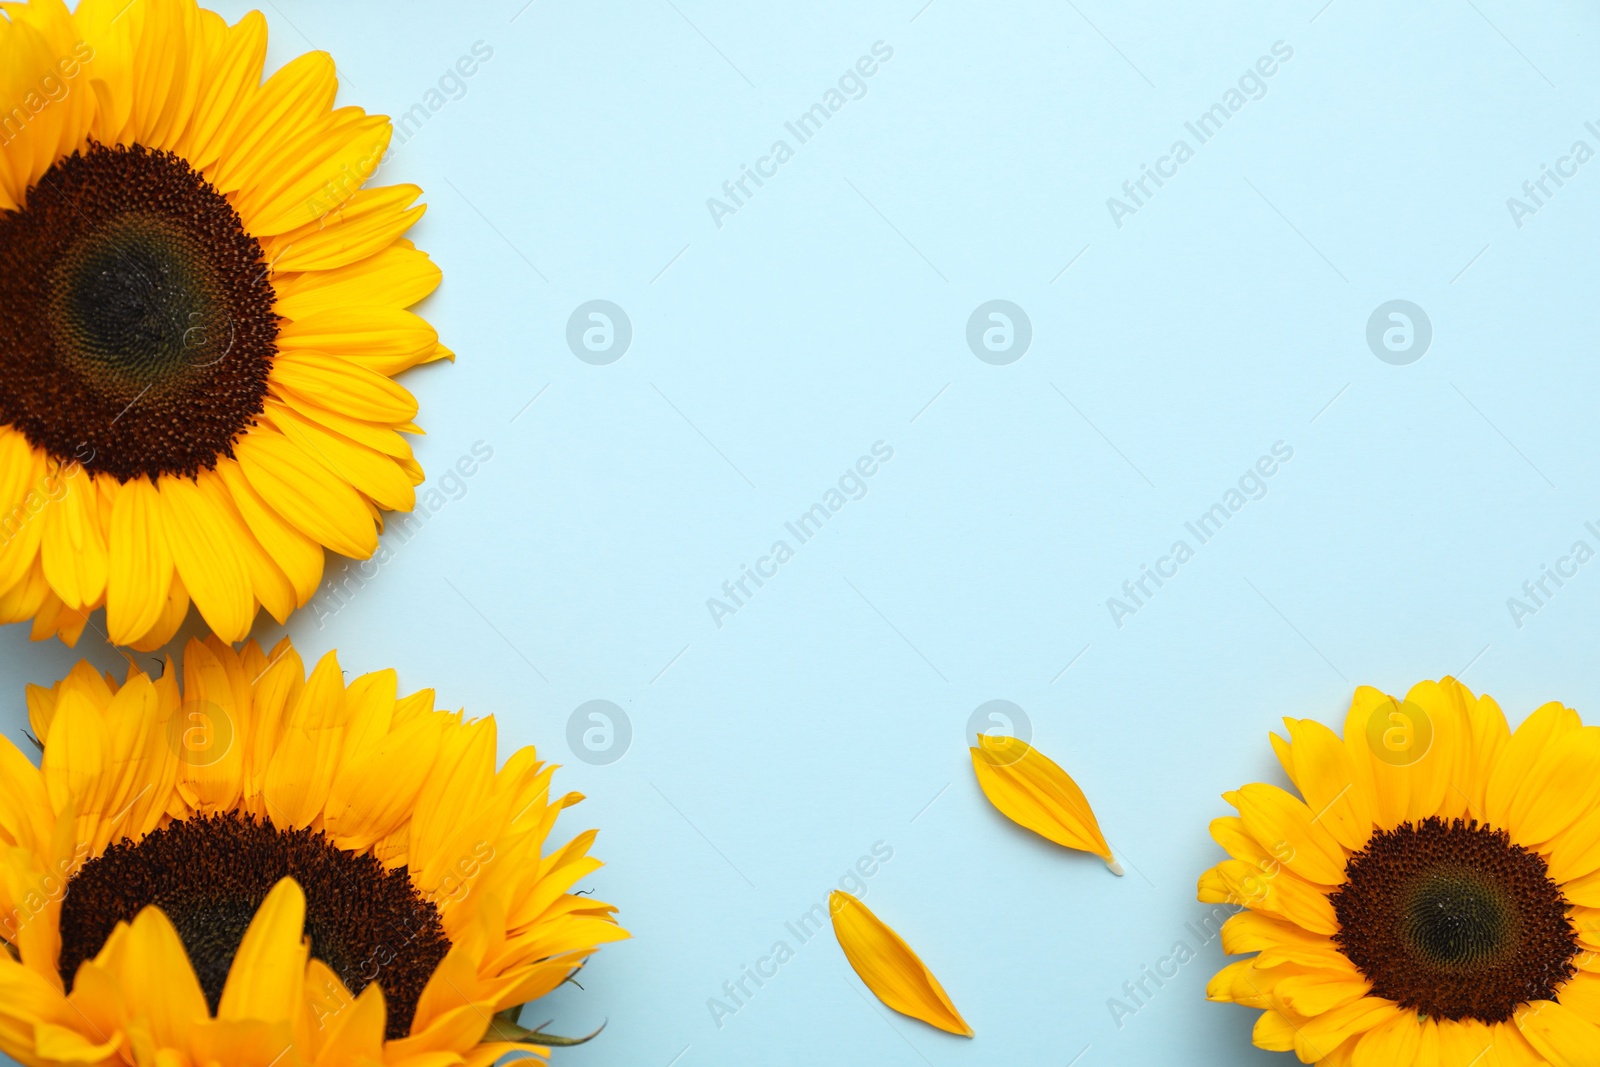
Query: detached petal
1032, 791
889, 968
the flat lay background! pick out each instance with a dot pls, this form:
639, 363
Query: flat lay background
751, 754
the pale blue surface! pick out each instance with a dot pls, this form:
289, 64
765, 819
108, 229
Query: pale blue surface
767, 355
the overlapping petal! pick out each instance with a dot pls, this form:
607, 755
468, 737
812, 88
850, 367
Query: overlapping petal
249, 732
1438, 752
324, 460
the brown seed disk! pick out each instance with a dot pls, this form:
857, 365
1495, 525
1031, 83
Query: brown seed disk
209, 875
136, 315
1454, 921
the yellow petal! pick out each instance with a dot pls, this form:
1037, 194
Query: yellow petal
269, 585
338, 383
1513, 784
300, 91
1465, 1042
889, 968
152, 968
462, 776
455, 1031
1405, 751
1395, 1042
350, 1028
296, 555
375, 474
75, 753
1315, 992
1316, 1037
1286, 827
1275, 1031
173, 613
1277, 942
398, 276
1325, 774
206, 739
206, 553
73, 547
26, 811
237, 1043
365, 224
267, 976
230, 84
1562, 788
1560, 1034
329, 165
381, 438
1270, 887
140, 572
386, 340
37, 48
454, 982
110, 72
60, 1044
1031, 790
1582, 995
307, 494
26, 998
301, 771
1235, 984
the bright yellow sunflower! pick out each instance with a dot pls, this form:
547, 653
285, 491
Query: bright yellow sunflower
1432, 897
256, 867
201, 310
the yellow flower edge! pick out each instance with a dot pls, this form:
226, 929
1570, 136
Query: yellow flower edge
357, 818
889, 967
1032, 790
247, 422
1431, 896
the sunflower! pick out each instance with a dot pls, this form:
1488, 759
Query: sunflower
255, 866
201, 311
1431, 897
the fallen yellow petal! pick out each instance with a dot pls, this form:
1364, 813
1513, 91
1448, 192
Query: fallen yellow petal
1031, 790
888, 966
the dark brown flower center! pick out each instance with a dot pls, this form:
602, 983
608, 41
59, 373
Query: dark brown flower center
1454, 921
136, 315
210, 875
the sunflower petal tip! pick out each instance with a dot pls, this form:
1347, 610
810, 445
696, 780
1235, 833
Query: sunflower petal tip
890, 968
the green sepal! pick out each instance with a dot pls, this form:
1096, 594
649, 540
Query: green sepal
506, 1028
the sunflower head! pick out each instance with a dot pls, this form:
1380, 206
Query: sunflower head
254, 860
1431, 896
202, 307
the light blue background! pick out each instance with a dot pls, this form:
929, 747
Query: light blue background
828, 314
